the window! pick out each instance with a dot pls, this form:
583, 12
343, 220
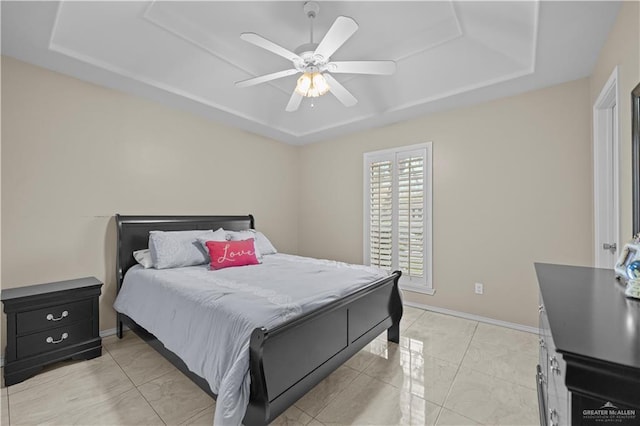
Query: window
397, 210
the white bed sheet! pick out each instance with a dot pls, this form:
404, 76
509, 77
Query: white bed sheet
206, 317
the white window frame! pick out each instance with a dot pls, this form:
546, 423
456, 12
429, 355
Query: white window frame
405, 282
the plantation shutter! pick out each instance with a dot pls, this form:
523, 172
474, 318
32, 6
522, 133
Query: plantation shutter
410, 214
397, 223
381, 214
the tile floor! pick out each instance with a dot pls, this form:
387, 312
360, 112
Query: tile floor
445, 371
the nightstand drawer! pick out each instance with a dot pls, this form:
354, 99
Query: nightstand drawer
53, 339
53, 316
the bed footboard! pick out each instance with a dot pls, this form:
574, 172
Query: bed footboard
289, 360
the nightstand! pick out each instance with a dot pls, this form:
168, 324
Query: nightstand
50, 322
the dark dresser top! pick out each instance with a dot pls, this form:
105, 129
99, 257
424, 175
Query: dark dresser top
36, 290
589, 314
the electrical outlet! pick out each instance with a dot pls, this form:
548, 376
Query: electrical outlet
479, 288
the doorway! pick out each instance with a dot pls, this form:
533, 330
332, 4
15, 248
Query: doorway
606, 178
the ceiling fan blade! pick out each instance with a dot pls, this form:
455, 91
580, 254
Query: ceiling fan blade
264, 78
343, 28
294, 102
363, 67
339, 91
260, 41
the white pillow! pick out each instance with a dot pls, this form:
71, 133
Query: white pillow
219, 235
143, 257
240, 235
263, 244
175, 249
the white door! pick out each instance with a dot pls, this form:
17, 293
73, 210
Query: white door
606, 207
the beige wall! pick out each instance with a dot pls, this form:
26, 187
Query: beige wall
511, 184
622, 49
74, 154
512, 181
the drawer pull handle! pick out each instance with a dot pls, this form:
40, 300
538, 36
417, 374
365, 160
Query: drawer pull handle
50, 339
555, 365
554, 418
64, 315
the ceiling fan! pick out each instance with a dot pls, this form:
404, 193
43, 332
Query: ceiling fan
313, 61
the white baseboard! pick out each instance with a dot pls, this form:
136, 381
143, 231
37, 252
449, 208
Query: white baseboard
108, 332
111, 331
526, 328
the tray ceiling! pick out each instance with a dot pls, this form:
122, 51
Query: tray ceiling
189, 54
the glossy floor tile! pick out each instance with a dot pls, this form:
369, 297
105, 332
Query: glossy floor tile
129, 408
445, 323
369, 401
203, 418
138, 360
414, 371
293, 417
445, 371
50, 373
409, 316
504, 353
446, 345
85, 384
489, 400
366, 356
175, 397
4, 407
451, 418
441, 336
320, 396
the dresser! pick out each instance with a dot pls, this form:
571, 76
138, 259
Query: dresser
589, 363
50, 322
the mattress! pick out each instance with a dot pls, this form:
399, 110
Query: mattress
206, 317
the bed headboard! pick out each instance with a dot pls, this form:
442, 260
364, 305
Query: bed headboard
133, 232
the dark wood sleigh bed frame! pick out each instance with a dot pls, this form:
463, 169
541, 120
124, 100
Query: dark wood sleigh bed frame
288, 360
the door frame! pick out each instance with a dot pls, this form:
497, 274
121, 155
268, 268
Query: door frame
603, 122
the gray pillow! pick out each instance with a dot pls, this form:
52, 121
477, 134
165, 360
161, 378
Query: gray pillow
175, 249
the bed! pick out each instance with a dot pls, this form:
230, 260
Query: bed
281, 368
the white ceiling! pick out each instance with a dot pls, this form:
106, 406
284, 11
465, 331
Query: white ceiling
189, 54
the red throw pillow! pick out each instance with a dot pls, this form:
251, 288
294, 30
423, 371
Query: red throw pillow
232, 253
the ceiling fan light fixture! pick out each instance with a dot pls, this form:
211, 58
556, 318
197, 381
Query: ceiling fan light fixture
312, 85
320, 83
312, 60
304, 83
